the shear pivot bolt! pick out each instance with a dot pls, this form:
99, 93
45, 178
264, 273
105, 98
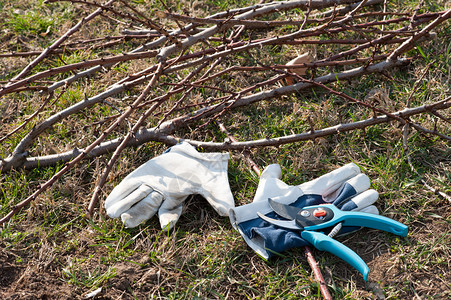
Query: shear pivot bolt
305, 213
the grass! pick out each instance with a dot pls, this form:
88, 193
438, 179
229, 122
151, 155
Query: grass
51, 250
31, 23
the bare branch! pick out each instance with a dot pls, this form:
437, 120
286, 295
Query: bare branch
147, 135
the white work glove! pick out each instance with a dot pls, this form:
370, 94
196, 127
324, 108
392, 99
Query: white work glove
345, 187
163, 183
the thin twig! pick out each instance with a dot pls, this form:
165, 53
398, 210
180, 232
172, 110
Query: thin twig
58, 42
67, 68
410, 43
32, 116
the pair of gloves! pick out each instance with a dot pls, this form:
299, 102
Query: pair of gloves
164, 182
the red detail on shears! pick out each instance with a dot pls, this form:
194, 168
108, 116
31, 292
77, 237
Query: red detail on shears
319, 213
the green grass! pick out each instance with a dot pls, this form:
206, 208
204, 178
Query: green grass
31, 23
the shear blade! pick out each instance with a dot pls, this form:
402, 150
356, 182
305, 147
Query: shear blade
283, 210
284, 224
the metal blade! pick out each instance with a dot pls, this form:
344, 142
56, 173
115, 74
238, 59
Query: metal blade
284, 224
283, 210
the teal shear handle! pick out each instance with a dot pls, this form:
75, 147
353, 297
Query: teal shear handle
325, 243
350, 218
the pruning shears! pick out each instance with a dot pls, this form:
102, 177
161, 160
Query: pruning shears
311, 220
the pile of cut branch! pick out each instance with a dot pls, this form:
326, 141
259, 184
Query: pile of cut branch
195, 71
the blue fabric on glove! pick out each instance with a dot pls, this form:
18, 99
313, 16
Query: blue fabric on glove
279, 239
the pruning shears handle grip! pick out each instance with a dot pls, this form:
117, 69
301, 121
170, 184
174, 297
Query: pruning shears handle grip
325, 243
350, 218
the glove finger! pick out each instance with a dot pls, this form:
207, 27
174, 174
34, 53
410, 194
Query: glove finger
170, 211
270, 184
122, 205
272, 171
217, 192
370, 210
330, 182
168, 217
360, 201
221, 203
349, 189
143, 210
125, 188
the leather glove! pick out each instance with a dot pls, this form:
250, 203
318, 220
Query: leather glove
163, 183
345, 187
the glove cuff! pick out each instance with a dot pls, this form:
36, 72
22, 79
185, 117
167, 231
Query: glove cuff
191, 152
249, 211
256, 243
